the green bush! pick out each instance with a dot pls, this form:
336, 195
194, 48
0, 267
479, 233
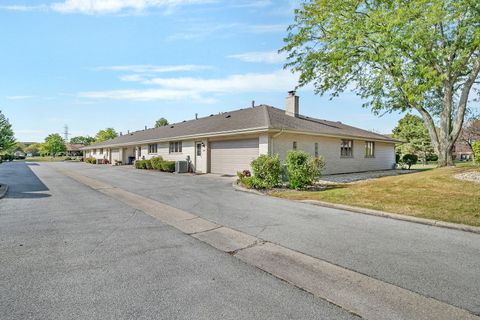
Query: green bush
267, 172
91, 160
140, 164
148, 164
156, 163
410, 159
476, 152
168, 166
252, 182
302, 169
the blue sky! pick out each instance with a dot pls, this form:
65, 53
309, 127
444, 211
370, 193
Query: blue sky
93, 64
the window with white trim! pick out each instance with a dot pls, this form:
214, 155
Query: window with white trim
152, 148
175, 147
316, 149
101, 150
294, 146
369, 149
346, 148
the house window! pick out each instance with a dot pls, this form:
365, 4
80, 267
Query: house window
94, 151
346, 149
199, 149
175, 147
101, 150
152, 148
316, 149
294, 145
369, 149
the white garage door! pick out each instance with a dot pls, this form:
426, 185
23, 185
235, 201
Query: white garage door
115, 155
228, 157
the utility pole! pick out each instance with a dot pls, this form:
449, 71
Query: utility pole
65, 133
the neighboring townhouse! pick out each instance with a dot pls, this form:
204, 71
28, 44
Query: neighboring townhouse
226, 143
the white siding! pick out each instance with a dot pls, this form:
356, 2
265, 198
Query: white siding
329, 148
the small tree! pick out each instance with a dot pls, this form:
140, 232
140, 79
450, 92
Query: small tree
410, 159
161, 123
7, 139
302, 169
413, 131
54, 144
106, 134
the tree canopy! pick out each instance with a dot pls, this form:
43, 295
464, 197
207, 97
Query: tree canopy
54, 144
85, 140
107, 134
412, 130
398, 55
7, 138
161, 123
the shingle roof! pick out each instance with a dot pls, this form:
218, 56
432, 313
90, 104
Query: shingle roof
258, 118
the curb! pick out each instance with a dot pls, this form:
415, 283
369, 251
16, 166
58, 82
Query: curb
372, 212
3, 190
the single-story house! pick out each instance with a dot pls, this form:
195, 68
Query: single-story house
227, 142
73, 149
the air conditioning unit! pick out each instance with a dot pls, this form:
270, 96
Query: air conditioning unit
181, 167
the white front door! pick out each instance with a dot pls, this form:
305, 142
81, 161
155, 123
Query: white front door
199, 157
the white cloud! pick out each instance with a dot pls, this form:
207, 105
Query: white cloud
200, 89
139, 95
19, 97
99, 7
146, 68
260, 57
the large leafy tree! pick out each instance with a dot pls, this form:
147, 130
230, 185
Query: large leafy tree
54, 144
412, 130
7, 138
85, 140
398, 55
106, 134
161, 123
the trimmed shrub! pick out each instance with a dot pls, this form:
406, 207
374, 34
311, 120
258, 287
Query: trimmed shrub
148, 164
410, 159
91, 160
140, 164
476, 152
267, 172
156, 163
168, 166
302, 169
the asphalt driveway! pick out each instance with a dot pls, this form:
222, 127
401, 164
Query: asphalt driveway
69, 252
435, 262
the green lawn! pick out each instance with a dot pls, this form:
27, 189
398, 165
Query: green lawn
432, 194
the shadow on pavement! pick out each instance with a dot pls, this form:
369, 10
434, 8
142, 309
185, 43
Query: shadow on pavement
23, 183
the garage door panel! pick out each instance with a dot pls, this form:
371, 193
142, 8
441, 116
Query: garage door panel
228, 157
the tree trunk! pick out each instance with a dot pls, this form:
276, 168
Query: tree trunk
445, 156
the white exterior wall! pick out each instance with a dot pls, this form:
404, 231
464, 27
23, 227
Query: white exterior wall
263, 144
329, 149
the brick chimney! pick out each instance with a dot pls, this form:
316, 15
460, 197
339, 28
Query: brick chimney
292, 104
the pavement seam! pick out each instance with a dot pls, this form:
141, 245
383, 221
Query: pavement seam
295, 263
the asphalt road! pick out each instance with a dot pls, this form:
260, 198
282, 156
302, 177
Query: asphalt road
435, 262
69, 252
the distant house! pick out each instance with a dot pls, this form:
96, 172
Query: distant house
19, 154
74, 149
226, 143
